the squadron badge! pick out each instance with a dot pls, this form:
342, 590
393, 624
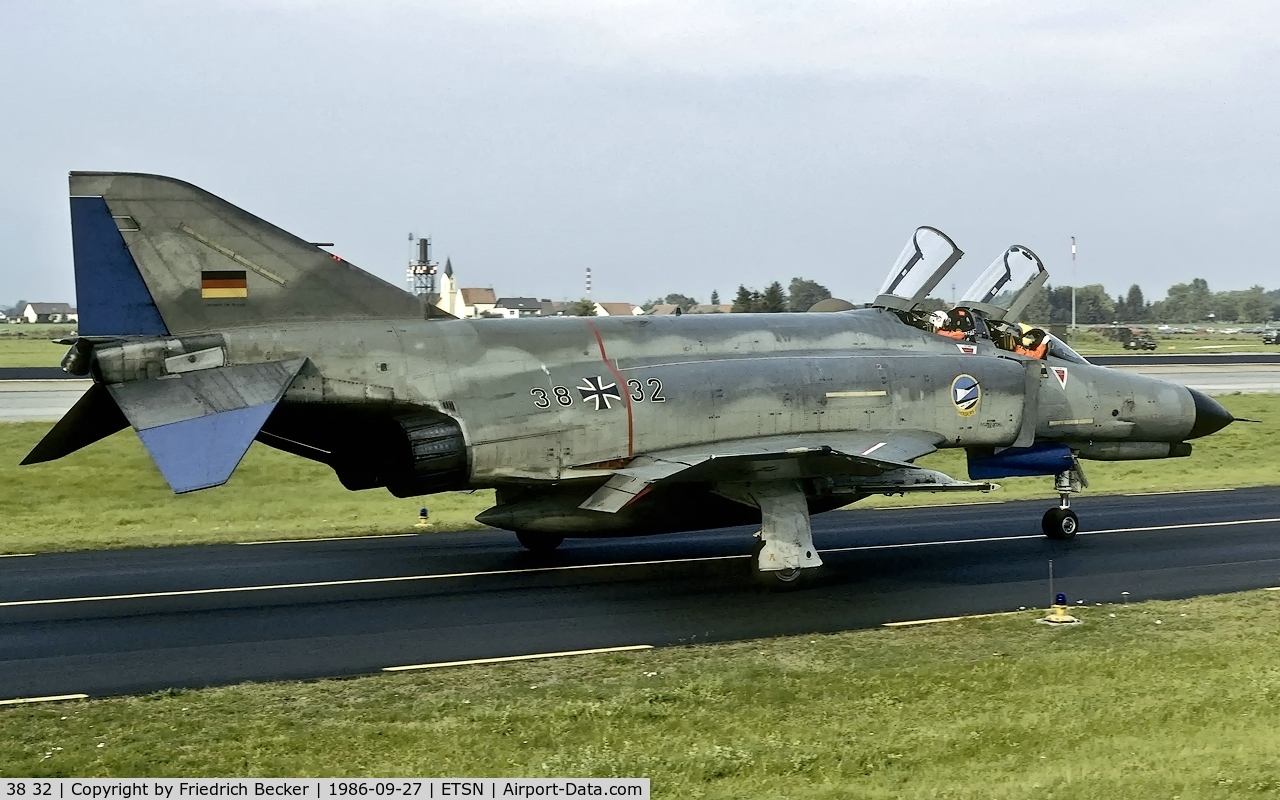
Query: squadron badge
965, 393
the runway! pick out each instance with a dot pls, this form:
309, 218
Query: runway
102, 623
1214, 378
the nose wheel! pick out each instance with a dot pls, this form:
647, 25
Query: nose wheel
1061, 523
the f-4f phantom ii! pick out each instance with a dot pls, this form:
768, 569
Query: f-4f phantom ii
205, 328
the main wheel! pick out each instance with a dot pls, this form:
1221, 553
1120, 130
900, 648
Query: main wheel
1060, 523
778, 580
539, 542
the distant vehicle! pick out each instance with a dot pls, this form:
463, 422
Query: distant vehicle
1271, 337
1140, 343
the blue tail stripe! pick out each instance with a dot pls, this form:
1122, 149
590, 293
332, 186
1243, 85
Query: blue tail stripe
203, 452
111, 297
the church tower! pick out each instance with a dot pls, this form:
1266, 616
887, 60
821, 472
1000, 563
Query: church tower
450, 302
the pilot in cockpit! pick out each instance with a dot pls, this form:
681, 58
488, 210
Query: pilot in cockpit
954, 324
1034, 343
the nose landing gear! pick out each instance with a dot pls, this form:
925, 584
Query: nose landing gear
1061, 523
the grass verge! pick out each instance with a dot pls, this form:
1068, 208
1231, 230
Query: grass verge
31, 345
981, 708
110, 495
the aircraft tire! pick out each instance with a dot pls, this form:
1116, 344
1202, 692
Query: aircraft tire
1060, 524
776, 580
539, 542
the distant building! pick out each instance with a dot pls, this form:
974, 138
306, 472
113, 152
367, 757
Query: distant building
477, 302
49, 312
518, 307
664, 309
450, 298
557, 308
617, 310
707, 308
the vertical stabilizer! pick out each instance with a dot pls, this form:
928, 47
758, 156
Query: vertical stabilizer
157, 256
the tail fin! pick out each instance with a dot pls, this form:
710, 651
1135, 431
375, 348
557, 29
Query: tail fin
157, 256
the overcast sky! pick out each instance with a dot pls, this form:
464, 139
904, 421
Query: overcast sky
670, 145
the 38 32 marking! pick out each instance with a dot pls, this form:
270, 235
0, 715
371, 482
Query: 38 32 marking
646, 391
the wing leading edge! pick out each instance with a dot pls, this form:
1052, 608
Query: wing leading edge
874, 461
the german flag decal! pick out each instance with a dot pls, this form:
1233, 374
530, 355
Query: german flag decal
223, 284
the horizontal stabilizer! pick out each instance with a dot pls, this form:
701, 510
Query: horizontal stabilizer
203, 452
197, 426
95, 416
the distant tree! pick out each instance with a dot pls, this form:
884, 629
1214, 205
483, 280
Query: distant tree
774, 299
582, 308
1038, 311
1184, 302
804, 293
715, 297
747, 301
1135, 304
931, 304
1093, 305
1273, 299
1052, 305
683, 300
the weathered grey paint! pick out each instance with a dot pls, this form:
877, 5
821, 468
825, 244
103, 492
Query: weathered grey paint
548, 410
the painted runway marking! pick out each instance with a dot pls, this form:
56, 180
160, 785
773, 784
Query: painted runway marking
15, 555
332, 538
1175, 491
913, 622
53, 698
355, 581
940, 505
530, 657
611, 565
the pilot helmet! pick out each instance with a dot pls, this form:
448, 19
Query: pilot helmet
939, 319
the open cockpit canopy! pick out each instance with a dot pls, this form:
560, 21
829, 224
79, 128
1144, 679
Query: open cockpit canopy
924, 262
1005, 288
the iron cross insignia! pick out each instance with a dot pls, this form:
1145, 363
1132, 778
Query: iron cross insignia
596, 389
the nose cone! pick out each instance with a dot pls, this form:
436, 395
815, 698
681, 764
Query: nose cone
1211, 417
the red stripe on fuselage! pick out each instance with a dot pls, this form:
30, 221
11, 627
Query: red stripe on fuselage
622, 387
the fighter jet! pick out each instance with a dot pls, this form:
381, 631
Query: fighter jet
206, 328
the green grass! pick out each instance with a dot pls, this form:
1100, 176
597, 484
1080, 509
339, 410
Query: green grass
110, 494
1091, 343
983, 708
30, 346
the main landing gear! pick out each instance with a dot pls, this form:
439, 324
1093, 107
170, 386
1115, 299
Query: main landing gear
785, 548
1061, 523
539, 542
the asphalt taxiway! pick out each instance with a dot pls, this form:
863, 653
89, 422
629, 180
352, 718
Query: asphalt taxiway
102, 623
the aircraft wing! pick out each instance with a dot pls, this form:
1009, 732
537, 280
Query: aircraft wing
880, 458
